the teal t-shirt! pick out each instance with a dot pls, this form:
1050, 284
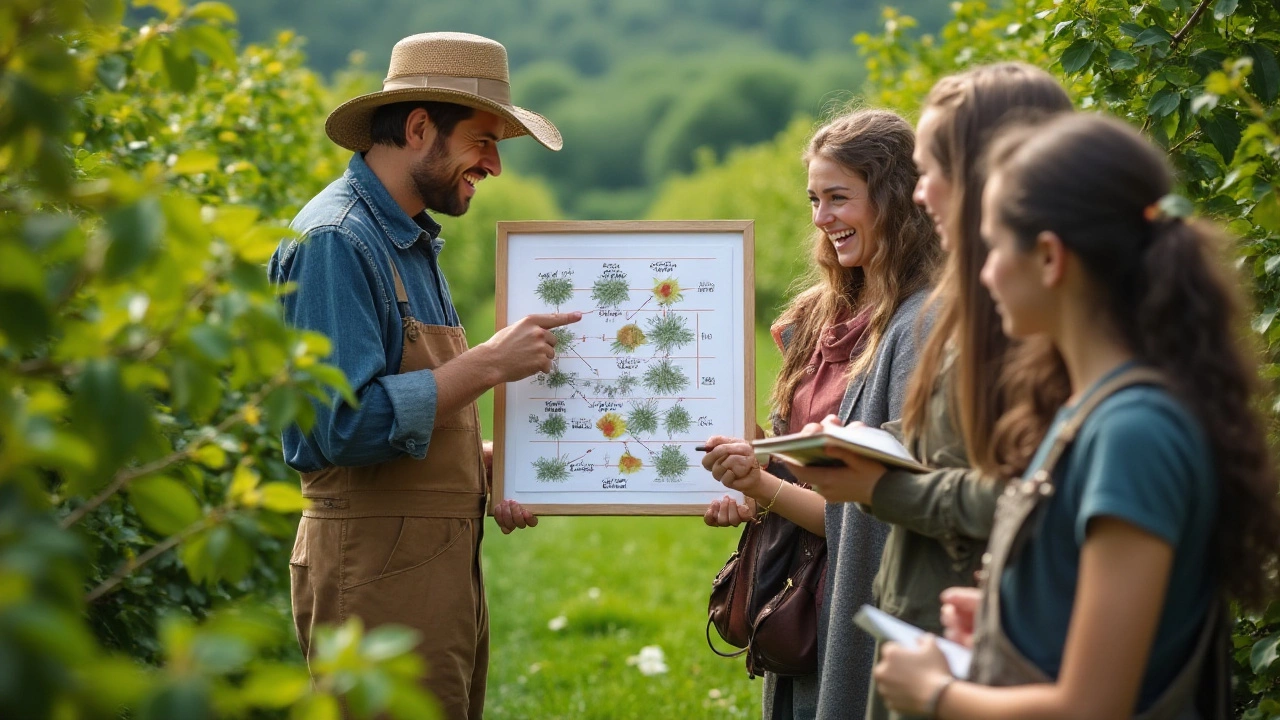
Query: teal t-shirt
1141, 457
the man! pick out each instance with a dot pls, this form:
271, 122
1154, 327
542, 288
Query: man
399, 484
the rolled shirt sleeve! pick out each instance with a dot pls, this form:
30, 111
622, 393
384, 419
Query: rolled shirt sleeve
340, 292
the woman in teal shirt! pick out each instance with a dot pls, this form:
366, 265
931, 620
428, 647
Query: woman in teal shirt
1165, 497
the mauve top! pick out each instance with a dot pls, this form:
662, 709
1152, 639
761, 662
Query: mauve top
820, 392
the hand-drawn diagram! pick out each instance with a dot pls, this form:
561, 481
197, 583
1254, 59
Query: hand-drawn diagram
652, 370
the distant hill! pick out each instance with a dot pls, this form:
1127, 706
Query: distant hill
589, 35
641, 89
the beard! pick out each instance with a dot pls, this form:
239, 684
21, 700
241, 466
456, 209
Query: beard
437, 183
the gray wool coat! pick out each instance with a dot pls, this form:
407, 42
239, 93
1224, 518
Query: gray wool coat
855, 541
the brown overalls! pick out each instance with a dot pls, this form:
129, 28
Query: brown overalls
399, 541
996, 661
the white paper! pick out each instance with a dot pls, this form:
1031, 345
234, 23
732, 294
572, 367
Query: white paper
889, 628
874, 438
672, 345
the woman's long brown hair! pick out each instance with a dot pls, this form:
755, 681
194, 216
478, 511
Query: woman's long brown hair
876, 145
968, 108
1165, 286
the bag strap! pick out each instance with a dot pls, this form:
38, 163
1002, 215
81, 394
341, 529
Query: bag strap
712, 645
1067, 431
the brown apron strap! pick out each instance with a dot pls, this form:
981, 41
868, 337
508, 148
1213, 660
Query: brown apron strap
401, 296
1067, 432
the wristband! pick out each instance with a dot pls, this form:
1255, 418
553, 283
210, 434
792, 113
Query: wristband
931, 709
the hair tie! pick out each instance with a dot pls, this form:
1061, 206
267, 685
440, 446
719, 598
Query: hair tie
1170, 208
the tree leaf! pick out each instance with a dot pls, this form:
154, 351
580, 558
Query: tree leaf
1163, 102
1077, 55
276, 686
195, 161
211, 456
333, 376
283, 498
135, 232
164, 504
1223, 131
1121, 60
388, 641
1265, 78
281, 407
113, 71
1263, 321
1154, 35
180, 70
1222, 9
212, 11
1267, 213
1264, 654
212, 42
214, 342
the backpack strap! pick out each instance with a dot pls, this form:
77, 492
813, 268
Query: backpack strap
1067, 431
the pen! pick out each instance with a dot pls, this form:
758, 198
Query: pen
700, 448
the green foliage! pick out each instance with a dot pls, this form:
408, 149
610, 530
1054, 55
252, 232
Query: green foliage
665, 378
765, 183
628, 582
146, 372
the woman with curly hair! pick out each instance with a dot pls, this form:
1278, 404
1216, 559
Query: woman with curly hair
849, 346
940, 520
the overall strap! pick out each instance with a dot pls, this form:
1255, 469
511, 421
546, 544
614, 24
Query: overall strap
1067, 432
402, 297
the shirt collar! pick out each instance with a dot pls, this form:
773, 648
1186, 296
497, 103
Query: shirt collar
402, 230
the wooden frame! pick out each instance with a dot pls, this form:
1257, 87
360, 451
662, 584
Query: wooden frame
727, 245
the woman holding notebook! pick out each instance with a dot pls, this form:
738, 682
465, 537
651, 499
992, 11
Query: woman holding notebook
1152, 495
940, 520
848, 345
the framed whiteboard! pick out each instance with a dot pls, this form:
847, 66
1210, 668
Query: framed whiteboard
663, 358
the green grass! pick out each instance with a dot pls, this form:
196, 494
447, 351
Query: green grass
653, 577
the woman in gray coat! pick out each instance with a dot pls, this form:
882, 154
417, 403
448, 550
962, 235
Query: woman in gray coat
849, 347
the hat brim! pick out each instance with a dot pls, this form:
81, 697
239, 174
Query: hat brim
348, 125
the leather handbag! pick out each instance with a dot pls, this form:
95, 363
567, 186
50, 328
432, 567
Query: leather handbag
767, 597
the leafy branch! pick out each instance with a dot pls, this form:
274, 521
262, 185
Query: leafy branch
1181, 35
128, 475
128, 568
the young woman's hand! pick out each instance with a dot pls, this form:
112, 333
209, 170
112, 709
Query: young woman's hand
727, 512
959, 608
733, 463
909, 679
853, 483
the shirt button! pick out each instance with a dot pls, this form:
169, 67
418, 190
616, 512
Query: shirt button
410, 444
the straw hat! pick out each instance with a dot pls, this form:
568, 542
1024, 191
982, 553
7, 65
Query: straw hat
448, 67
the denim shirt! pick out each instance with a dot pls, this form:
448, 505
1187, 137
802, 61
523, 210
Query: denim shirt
343, 287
